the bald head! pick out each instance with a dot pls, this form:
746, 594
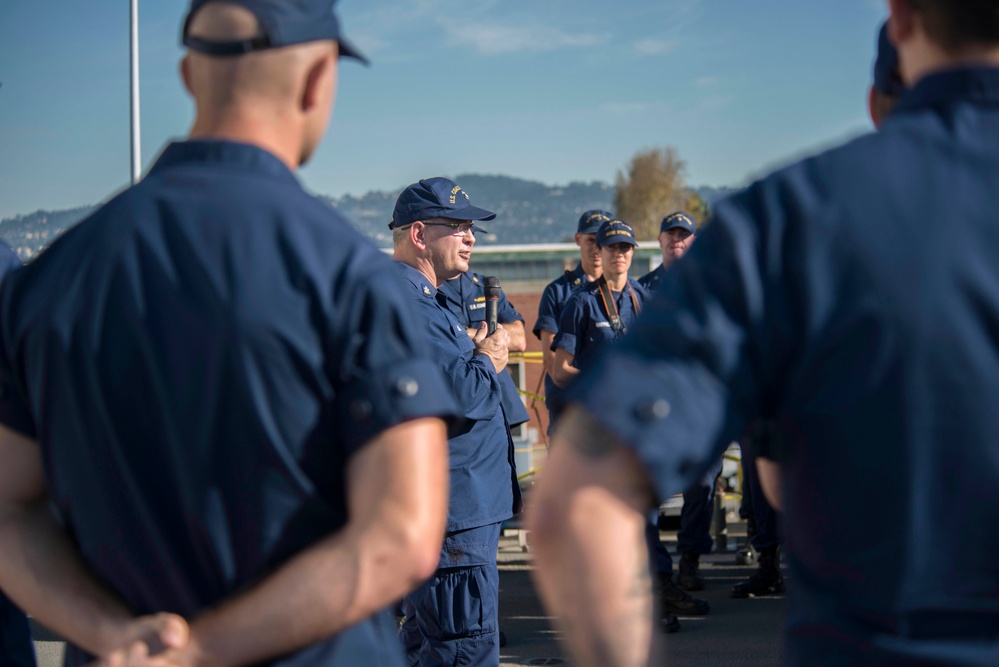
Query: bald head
282, 93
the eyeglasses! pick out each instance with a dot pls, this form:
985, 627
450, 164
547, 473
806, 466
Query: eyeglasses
457, 228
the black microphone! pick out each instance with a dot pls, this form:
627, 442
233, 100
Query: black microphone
492, 301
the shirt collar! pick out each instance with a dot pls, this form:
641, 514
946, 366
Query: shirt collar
578, 274
417, 279
233, 155
458, 289
978, 85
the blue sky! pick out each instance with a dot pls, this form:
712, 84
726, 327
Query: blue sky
549, 90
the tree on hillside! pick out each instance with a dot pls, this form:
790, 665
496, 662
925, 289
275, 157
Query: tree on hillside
651, 188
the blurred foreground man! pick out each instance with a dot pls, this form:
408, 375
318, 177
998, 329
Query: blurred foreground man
452, 619
227, 395
465, 297
874, 349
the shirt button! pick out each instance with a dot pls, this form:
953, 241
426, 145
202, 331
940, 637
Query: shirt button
648, 411
360, 409
406, 387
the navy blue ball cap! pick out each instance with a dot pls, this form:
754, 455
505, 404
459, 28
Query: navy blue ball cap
282, 23
590, 221
678, 219
435, 198
615, 231
887, 79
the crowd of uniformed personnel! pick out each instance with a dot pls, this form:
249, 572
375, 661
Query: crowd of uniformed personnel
234, 432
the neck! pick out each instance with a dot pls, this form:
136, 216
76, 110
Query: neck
277, 138
616, 283
667, 260
919, 57
421, 264
590, 271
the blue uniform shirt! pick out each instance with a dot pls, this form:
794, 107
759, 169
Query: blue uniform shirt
650, 281
553, 300
199, 360
585, 327
854, 298
484, 486
466, 299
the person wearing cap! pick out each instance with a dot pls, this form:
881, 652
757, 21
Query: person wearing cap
453, 617
677, 232
597, 314
238, 422
16, 646
872, 347
557, 293
466, 299
602, 310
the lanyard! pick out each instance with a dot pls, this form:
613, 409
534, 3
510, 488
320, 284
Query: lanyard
610, 306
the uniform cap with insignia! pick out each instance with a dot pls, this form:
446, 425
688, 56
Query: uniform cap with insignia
590, 221
677, 219
435, 198
615, 231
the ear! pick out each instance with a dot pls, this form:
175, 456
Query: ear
872, 109
901, 21
315, 80
185, 73
579, 239
418, 235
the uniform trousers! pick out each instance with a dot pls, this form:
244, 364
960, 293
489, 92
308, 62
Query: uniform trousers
694, 536
452, 619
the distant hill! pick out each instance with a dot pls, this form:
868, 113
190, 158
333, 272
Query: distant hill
31, 232
527, 212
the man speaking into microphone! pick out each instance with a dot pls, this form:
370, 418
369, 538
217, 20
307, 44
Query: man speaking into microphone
453, 617
474, 299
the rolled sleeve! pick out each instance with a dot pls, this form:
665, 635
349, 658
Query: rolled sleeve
571, 326
401, 392
387, 374
564, 341
547, 312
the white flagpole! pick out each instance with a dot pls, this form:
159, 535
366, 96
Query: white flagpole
134, 67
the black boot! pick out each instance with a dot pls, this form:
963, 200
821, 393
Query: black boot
688, 577
673, 599
669, 623
767, 580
